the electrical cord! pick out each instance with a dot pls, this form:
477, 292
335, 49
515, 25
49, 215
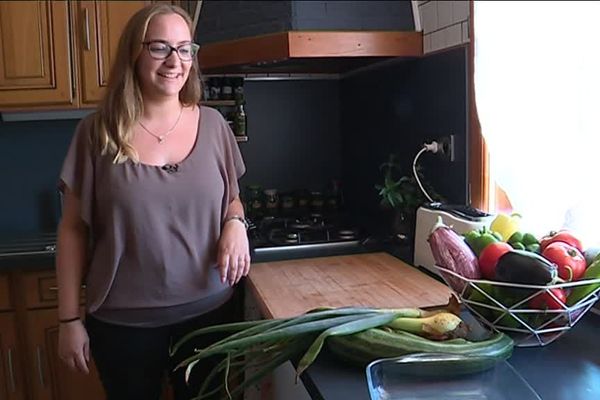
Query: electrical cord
432, 147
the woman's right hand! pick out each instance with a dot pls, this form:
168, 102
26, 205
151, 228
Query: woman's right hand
74, 346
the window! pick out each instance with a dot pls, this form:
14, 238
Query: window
537, 94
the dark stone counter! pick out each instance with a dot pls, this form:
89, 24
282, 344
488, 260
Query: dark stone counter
27, 251
567, 369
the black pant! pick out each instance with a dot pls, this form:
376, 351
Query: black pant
132, 361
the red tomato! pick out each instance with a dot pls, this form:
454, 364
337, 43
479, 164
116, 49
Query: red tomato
489, 258
570, 262
545, 301
561, 236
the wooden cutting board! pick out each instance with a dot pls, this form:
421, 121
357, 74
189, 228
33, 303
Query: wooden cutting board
288, 288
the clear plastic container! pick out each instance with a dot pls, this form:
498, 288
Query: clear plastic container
445, 376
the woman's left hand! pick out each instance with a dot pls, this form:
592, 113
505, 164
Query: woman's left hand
233, 252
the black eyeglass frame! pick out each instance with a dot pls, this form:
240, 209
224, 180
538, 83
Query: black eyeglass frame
195, 47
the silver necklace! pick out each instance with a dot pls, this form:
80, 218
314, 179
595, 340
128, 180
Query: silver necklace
162, 137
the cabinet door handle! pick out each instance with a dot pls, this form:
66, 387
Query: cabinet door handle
11, 372
86, 29
38, 352
55, 288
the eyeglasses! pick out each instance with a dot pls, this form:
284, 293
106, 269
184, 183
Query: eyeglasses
160, 50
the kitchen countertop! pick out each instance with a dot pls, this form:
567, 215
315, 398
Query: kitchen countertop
27, 251
568, 368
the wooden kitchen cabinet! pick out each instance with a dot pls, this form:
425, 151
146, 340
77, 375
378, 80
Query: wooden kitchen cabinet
51, 379
35, 54
12, 385
30, 367
57, 54
101, 24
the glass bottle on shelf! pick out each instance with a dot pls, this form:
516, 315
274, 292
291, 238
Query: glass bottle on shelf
254, 202
226, 89
215, 88
317, 201
206, 84
302, 200
334, 196
239, 119
238, 89
287, 204
271, 202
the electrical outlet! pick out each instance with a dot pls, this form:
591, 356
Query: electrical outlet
447, 147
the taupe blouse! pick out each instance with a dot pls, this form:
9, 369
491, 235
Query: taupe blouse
154, 229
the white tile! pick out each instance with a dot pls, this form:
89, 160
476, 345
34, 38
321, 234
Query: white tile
444, 9
437, 41
429, 18
426, 43
452, 35
465, 31
460, 10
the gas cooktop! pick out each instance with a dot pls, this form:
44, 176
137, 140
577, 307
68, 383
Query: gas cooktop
304, 236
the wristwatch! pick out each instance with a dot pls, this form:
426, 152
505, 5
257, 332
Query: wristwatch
238, 218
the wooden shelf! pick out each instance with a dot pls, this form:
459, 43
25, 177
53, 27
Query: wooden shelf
216, 103
241, 139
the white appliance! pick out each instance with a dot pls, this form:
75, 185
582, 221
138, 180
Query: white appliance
462, 219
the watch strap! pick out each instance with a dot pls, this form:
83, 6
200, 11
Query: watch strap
237, 218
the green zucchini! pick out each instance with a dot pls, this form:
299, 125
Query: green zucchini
364, 347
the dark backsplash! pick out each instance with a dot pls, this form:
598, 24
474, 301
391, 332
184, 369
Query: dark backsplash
395, 109
294, 143
302, 135
294, 134
32, 156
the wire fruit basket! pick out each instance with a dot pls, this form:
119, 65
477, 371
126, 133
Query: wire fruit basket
505, 307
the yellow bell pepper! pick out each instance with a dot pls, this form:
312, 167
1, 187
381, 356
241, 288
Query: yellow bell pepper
506, 225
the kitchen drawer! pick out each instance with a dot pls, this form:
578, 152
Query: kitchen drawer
41, 289
5, 295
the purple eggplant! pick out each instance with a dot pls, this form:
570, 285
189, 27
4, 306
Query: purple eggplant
451, 252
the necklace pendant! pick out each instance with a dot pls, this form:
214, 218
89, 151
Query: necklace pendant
160, 139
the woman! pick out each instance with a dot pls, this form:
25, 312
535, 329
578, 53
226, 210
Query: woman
152, 219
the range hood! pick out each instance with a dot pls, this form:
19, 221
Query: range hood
297, 51
296, 36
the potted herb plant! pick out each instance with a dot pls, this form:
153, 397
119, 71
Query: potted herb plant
401, 196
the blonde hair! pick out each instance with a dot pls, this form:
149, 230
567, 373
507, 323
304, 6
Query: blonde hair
122, 103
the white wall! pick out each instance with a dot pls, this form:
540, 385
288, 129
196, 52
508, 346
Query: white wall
445, 24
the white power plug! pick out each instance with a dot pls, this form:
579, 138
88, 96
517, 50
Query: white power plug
433, 147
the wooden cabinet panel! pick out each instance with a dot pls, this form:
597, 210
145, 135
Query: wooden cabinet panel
57, 54
41, 290
5, 294
52, 380
12, 386
35, 53
101, 24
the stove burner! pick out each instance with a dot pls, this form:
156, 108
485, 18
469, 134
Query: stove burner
299, 225
347, 234
314, 221
292, 237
